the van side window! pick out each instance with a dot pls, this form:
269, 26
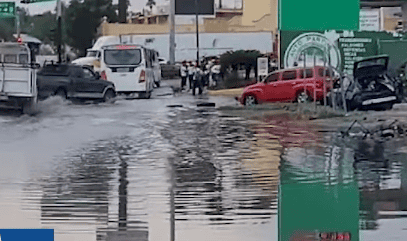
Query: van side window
23, 58
309, 73
289, 75
272, 78
148, 58
10, 58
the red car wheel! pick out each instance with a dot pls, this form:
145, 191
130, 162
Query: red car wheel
250, 100
303, 97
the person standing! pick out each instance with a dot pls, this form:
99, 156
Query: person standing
216, 75
197, 81
184, 74
191, 73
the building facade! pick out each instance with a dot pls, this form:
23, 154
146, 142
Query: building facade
253, 16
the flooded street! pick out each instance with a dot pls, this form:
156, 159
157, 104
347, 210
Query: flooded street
165, 167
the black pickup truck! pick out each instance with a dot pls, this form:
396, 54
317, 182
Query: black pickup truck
71, 81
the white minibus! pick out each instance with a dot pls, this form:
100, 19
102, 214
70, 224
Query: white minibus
132, 68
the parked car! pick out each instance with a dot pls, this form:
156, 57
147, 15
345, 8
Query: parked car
288, 85
371, 87
73, 82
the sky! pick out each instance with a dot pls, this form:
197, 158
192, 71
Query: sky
136, 5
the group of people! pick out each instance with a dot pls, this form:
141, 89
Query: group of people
199, 76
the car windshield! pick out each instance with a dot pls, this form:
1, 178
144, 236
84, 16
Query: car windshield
122, 57
92, 54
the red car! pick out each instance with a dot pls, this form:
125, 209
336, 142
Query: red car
289, 85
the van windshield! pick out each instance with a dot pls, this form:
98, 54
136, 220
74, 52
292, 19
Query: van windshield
91, 54
122, 56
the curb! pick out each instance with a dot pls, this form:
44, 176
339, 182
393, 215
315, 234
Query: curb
226, 92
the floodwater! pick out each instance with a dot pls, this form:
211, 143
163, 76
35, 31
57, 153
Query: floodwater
161, 168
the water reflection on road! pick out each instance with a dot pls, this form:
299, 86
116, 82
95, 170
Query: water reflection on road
343, 186
217, 176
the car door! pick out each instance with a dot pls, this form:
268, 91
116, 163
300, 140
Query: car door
271, 90
91, 83
306, 78
84, 82
284, 87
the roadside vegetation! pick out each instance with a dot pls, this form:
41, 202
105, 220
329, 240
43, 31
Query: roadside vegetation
234, 62
303, 111
80, 22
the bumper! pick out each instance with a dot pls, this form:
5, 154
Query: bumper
239, 99
379, 100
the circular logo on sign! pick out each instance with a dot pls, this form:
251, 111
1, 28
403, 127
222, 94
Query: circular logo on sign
310, 49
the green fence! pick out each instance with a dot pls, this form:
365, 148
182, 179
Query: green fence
340, 48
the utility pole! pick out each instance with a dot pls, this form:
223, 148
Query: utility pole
172, 31
122, 11
197, 32
59, 31
18, 31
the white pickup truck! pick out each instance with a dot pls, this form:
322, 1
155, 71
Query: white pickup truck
18, 80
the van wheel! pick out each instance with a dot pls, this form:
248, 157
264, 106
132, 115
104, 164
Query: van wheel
145, 95
250, 100
303, 97
30, 106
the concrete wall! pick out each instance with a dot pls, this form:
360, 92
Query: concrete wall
209, 26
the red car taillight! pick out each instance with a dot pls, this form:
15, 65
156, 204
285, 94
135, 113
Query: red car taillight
142, 77
103, 75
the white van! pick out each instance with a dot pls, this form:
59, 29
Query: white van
132, 68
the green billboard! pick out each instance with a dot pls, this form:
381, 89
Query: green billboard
318, 15
309, 211
339, 48
318, 202
7, 9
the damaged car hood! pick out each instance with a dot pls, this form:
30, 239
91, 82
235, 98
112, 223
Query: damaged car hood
370, 67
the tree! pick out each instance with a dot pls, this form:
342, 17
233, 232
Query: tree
150, 3
7, 28
235, 59
241, 58
82, 20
